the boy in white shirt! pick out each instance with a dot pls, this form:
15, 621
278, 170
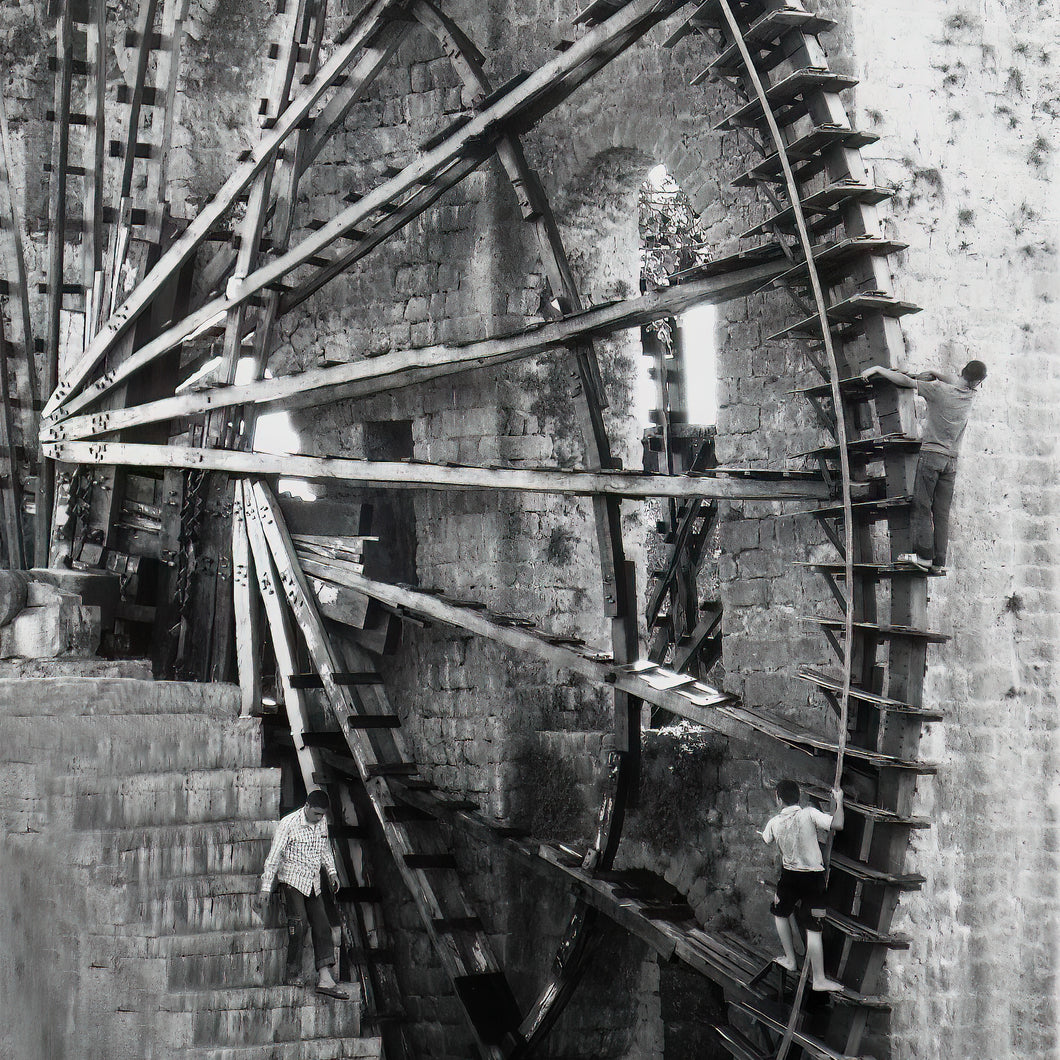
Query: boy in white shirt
802, 879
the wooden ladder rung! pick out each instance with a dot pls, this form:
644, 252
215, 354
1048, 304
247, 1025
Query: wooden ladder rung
450, 925
405, 814
391, 769
373, 721
359, 894
430, 861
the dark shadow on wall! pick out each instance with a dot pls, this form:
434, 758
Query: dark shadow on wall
393, 557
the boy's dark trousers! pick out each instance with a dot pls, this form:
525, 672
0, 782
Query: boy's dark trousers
302, 911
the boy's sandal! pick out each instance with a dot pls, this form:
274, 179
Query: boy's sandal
333, 991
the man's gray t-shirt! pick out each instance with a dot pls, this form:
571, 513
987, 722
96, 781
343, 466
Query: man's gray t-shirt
948, 409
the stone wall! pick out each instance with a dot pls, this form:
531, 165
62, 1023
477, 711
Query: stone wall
967, 98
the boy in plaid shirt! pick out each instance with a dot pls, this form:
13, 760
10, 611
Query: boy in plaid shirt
300, 850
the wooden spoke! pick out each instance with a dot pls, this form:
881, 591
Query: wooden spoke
486, 127
408, 367
436, 893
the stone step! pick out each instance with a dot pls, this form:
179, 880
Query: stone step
90, 803
195, 904
306, 1049
96, 669
119, 745
202, 960
165, 851
66, 696
245, 1016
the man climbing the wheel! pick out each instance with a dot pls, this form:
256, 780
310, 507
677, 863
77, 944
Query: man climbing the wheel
802, 879
300, 851
949, 404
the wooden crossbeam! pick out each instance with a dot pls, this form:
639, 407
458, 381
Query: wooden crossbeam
680, 694
486, 127
390, 223
184, 246
731, 964
631, 484
586, 662
305, 144
407, 367
369, 927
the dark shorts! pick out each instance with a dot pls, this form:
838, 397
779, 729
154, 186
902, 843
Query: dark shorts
805, 889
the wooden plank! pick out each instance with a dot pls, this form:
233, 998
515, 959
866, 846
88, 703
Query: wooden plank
404, 368
485, 127
370, 933
94, 155
26, 376
405, 211
630, 484
55, 269
14, 542
460, 956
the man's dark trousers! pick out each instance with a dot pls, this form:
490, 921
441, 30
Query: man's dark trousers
932, 498
303, 910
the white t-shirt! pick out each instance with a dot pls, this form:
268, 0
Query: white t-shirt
794, 830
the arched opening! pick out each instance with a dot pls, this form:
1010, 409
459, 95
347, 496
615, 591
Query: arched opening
682, 612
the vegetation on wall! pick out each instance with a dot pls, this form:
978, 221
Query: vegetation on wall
671, 235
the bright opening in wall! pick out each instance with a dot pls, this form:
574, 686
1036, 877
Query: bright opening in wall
700, 363
273, 433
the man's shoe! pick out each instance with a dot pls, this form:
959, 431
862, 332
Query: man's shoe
292, 979
937, 568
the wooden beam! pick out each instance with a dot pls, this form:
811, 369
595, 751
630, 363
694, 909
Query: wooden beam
64, 43
181, 249
388, 224
10, 486
689, 698
406, 367
436, 894
396, 474
486, 127
245, 608
680, 694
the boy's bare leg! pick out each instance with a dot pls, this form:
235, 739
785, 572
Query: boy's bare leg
784, 931
815, 952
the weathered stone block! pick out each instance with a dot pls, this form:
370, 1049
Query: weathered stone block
64, 628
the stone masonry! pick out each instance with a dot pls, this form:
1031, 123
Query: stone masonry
136, 817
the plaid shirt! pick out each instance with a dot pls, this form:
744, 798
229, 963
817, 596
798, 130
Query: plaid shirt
299, 851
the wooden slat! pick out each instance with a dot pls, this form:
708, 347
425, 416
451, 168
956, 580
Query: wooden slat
370, 931
247, 616
484, 127
57, 205
464, 954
